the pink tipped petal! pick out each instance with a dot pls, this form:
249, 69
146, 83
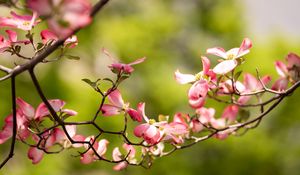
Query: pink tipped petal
102, 147
141, 110
230, 113
280, 84
26, 108
42, 109
244, 99
12, 35
205, 65
6, 133
138, 61
87, 158
281, 69
109, 110
71, 129
140, 129
120, 166
184, 78
224, 67
293, 60
116, 154
115, 98
69, 112
196, 126
78, 138
129, 148
251, 83
244, 48
217, 51
47, 36
135, 115
35, 155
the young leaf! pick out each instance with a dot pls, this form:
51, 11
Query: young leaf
72, 57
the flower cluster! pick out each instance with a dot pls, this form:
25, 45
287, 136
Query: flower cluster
46, 129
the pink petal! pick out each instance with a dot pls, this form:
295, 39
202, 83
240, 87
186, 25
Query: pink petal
184, 78
138, 61
47, 36
196, 126
26, 108
71, 129
69, 112
59, 135
141, 109
293, 60
120, 166
87, 158
109, 110
225, 66
281, 69
129, 148
244, 48
12, 35
206, 114
280, 84
6, 133
141, 129
102, 147
35, 155
78, 138
42, 109
116, 154
135, 115
230, 113
205, 64
218, 51
152, 135
115, 98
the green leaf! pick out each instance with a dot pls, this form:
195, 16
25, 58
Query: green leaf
91, 83
17, 49
40, 45
72, 57
243, 115
237, 75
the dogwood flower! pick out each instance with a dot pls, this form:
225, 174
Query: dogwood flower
119, 68
230, 57
65, 16
116, 106
117, 156
48, 36
24, 22
12, 40
90, 156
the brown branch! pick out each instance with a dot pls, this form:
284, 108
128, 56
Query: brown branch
14, 134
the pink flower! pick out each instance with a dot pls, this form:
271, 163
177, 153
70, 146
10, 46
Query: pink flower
27, 114
48, 36
149, 131
35, 154
119, 68
282, 70
68, 14
117, 156
230, 113
252, 85
24, 22
230, 57
197, 94
293, 66
90, 156
12, 39
116, 106
62, 139
189, 78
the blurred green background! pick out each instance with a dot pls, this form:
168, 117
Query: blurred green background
172, 34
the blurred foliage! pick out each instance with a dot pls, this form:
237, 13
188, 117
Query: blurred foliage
172, 34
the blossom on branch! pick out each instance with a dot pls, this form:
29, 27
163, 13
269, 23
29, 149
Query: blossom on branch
63, 16
23, 22
230, 57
